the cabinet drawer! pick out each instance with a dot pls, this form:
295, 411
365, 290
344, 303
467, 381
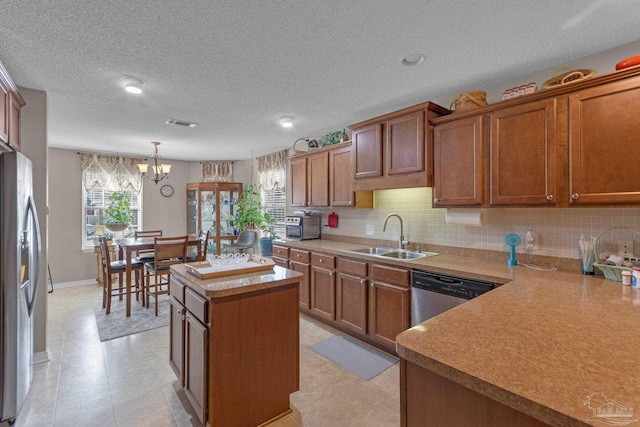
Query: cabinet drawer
324, 261
388, 274
350, 266
197, 305
282, 262
298, 255
281, 251
177, 290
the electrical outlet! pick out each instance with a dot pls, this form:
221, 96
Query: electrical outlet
531, 240
625, 248
369, 230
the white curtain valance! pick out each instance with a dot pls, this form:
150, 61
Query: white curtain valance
112, 173
271, 171
217, 171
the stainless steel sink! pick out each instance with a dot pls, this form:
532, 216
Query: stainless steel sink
392, 253
407, 254
376, 250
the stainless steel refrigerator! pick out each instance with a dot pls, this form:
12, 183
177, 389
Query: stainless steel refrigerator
19, 271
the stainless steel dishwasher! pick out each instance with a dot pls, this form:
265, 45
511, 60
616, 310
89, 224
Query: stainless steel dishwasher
434, 293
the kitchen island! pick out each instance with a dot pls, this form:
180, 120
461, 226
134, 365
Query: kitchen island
543, 348
234, 344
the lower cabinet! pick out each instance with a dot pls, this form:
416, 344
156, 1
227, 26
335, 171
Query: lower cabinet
323, 286
351, 299
300, 262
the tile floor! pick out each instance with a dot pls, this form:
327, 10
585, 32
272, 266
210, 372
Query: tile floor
128, 382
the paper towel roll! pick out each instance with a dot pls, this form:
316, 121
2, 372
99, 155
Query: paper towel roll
464, 217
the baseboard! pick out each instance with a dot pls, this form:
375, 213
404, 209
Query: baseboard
85, 282
41, 357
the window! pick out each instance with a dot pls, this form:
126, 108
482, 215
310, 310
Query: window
95, 202
102, 175
272, 177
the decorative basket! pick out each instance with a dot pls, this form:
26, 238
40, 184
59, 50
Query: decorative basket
611, 272
469, 101
569, 76
115, 227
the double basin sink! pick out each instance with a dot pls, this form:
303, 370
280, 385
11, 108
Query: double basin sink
392, 253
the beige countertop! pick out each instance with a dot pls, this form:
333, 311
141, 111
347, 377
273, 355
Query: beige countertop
542, 343
238, 284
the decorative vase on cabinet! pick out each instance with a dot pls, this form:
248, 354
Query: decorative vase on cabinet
212, 206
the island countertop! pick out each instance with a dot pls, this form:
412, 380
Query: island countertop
541, 343
238, 284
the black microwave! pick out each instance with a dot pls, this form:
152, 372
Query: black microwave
303, 227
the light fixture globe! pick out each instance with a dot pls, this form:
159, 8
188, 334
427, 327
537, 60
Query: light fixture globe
286, 121
132, 84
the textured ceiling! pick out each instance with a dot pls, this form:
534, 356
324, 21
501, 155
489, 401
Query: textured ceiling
237, 67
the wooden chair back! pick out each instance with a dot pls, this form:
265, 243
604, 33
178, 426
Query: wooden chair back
169, 251
105, 256
203, 236
147, 233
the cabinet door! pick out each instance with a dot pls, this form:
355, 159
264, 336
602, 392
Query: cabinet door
298, 187
458, 149
405, 144
366, 151
389, 312
351, 302
605, 143
340, 174
305, 292
176, 338
282, 262
4, 110
318, 179
14, 123
195, 381
323, 293
523, 154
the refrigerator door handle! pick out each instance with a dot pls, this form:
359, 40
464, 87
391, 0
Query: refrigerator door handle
34, 253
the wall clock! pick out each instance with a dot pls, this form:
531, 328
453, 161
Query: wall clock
166, 190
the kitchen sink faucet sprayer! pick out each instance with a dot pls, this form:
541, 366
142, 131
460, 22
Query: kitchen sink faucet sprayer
401, 241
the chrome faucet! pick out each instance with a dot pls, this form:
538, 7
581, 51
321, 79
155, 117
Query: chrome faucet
401, 241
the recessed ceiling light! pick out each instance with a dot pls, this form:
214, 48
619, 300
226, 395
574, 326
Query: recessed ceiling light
286, 122
413, 59
132, 84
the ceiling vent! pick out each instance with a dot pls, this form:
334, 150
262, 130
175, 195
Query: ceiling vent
181, 123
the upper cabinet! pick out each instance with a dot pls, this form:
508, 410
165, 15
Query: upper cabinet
323, 177
605, 143
553, 148
10, 104
392, 151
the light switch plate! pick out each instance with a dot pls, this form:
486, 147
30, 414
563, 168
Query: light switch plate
369, 230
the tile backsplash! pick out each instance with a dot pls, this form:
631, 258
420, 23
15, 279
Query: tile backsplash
558, 229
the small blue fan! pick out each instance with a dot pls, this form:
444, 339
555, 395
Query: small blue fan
512, 240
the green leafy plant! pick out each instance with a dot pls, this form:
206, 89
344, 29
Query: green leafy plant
330, 139
119, 210
252, 215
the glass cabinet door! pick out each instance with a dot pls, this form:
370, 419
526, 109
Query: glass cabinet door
192, 212
208, 210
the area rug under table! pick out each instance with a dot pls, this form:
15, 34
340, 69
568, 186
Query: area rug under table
117, 324
357, 358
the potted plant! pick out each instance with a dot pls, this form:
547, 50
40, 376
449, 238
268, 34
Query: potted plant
118, 216
252, 215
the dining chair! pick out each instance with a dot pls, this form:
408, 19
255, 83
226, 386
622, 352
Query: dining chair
111, 268
203, 236
146, 254
167, 252
246, 239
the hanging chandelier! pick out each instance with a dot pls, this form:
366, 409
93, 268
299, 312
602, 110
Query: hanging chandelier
160, 172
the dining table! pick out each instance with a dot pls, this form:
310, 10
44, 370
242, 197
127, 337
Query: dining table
129, 246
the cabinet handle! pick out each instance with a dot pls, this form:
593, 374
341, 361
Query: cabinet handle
350, 203
550, 197
436, 200
372, 285
321, 260
362, 281
184, 317
575, 196
341, 274
297, 255
331, 273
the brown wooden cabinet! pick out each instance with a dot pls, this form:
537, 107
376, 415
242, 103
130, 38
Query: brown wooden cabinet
393, 150
605, 143
351, 295
299, 261
340, 191
323, 286
318, 180
10, 104
523, 154
459, 162
298, 181
281, 256
389, 303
